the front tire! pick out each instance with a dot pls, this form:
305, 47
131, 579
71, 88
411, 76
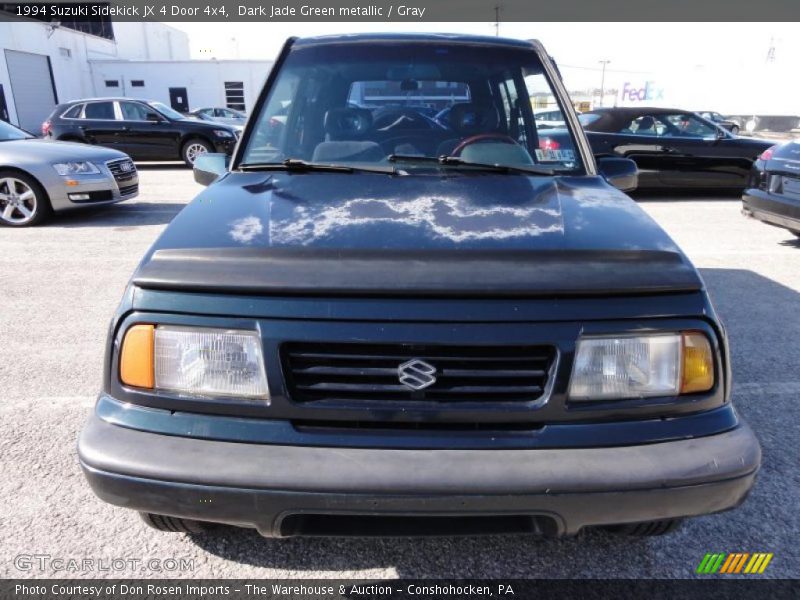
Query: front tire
193, 149
735, 130
23, 201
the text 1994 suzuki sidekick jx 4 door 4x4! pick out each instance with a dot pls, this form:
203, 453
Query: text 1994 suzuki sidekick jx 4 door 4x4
397, 312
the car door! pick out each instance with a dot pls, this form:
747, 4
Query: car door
146, 133
698, 153
638, 137
98, 124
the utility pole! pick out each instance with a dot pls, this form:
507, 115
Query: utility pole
603, 80
497, 20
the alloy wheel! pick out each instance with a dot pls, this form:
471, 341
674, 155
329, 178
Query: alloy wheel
18, 202
193, 151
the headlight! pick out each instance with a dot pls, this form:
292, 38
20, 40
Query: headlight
76, 168
621, 367
222, 133
194, 360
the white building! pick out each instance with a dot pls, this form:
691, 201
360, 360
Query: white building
43, 64
182, 84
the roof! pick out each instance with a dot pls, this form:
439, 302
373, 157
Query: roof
458, 38
629, 110
108, 99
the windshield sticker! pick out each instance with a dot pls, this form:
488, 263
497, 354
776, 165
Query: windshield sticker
551, 155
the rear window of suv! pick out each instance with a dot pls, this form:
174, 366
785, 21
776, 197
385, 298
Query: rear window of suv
99, 110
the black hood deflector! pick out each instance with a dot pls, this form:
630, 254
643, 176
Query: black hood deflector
459, 273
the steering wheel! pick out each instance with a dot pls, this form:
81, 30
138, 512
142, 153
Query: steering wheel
483, 137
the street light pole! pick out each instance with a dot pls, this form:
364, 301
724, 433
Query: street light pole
603, 80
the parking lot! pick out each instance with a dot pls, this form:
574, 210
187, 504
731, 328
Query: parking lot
60, 283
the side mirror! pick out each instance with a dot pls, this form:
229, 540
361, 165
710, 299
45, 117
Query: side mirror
210, 167
622, 173
721, 134
154, 118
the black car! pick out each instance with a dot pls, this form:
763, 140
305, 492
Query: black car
773, 191
718, 119
406, 330
144, 130
673, 148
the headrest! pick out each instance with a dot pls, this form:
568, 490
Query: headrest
347, 123
646, 123
473, 118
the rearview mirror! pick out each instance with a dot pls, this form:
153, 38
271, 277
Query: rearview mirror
209, 167
622, 173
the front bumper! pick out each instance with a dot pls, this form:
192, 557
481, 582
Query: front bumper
277, 489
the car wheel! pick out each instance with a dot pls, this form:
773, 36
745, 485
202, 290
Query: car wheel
174, 524
646, 529
735, 130
23, 201
795, 233
193, 149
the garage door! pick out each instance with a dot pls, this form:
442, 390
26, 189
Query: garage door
31, 88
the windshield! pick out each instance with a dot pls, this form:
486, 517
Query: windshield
392, 102
9, 132
166, 110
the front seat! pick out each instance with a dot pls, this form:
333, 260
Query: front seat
345, 129
646, 126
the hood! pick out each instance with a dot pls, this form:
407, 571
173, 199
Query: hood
47, 150
374, 233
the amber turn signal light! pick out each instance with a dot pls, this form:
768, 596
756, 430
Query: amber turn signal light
136, 357
698, 364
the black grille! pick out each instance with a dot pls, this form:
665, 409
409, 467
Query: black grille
122, 169
322, 371
127, 190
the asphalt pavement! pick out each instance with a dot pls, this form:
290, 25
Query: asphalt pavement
60, 283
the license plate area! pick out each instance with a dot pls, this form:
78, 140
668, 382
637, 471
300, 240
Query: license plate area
791, 187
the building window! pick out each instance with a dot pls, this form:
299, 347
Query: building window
234, 95
137, 82
112, 83
65, 52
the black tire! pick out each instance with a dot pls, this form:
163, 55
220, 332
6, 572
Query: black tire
174, 524
735, 130
646, 529
42, 209
795, 233
187, 150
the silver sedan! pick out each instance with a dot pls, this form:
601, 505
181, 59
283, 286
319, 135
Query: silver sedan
38, 177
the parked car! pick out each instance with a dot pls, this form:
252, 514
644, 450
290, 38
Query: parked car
717, 118
547, 117
474, 335
220, 114
672, 147
773, 191
38, 177
143, 129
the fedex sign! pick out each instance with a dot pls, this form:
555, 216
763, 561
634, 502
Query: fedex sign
642, 94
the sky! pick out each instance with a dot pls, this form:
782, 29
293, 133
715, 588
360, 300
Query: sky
724, 63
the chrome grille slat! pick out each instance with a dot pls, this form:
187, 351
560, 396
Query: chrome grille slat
354, 372
115, 166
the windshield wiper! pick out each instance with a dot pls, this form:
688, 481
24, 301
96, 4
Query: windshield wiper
458, 161
297, 164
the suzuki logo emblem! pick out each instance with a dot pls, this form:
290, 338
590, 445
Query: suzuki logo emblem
416, 374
